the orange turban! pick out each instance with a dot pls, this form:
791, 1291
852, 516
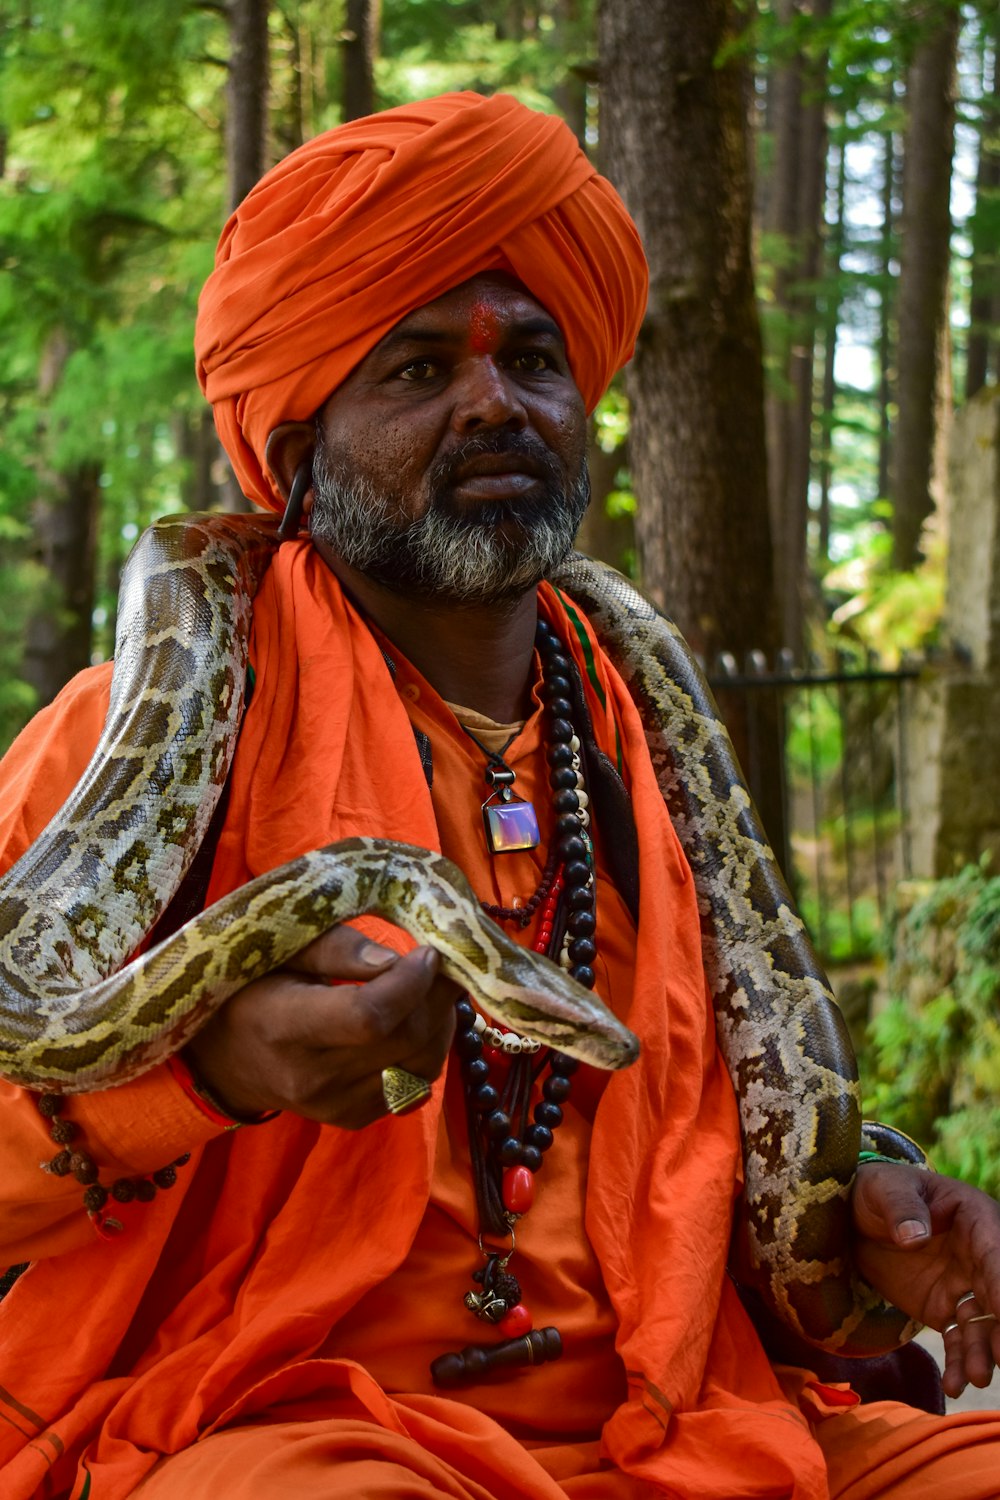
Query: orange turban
357, 228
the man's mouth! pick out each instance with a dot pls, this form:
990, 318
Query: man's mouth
496, 476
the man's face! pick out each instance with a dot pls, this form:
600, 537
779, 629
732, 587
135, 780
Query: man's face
451, 462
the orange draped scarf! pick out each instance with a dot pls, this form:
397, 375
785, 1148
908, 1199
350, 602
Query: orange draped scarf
218, 1303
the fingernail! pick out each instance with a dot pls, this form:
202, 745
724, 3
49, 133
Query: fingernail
429, 958
376, 957
911, 1229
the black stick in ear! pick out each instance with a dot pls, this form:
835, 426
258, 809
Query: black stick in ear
291, 521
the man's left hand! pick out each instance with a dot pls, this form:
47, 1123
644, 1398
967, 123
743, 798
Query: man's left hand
925, 1241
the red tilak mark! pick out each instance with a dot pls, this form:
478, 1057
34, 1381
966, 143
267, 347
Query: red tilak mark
484, 328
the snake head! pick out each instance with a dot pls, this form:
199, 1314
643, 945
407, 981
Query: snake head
429, 897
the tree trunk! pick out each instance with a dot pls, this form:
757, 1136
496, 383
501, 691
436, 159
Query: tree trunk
246, 137
984, 299
780, 221
674, 132
64, 522
831, 323
290, 84
794, 218
571, 94
64, 528
203, 477
360, 49
610, 538
886, 374
246, 97
923, 276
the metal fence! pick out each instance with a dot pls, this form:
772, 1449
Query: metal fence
836, 738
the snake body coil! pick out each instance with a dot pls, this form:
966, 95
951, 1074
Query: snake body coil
75, 1014
82, 899
780, 1030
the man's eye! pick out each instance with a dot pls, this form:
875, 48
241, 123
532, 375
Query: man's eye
418, 369
531, 361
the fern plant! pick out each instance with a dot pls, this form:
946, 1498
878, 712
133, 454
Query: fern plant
932, 1057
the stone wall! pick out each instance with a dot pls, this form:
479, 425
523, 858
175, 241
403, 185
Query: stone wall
953, 771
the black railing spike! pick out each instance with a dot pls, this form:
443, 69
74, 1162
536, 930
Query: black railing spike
755, 664
843, 783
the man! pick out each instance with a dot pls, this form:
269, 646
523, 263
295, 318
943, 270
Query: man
409, 319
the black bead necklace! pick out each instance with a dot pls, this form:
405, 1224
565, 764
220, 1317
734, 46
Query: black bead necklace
506, 1149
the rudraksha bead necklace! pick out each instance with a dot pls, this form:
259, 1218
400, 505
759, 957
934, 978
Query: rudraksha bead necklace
506, 1148
72, 1157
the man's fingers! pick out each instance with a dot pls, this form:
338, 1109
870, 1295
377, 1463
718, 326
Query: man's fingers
978, 1327
971, 1340
953, 1377
906, 1213
398, 1011
359, 1103
889, 1204
367, 1017
289, 1042
427, 1059
343, 953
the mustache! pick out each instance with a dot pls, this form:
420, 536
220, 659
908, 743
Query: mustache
444, 473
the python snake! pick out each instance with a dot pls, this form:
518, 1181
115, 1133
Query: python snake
76, 1015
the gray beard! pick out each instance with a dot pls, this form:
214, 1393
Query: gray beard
482, 554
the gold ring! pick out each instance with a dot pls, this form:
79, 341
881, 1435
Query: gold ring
981, 1318
403, 1091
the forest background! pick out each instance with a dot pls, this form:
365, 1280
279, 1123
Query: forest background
825, 173
817, 183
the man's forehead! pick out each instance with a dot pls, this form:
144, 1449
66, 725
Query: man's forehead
483, 302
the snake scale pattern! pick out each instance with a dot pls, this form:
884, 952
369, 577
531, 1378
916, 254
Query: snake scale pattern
77, 1015
780, 1030
87, 892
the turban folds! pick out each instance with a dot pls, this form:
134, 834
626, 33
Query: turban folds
367, 222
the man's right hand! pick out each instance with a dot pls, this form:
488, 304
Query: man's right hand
294, 1041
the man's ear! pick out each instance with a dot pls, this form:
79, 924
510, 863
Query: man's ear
285, 449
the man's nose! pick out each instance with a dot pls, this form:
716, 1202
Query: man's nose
486, 396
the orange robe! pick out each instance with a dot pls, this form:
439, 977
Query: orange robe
274, 1313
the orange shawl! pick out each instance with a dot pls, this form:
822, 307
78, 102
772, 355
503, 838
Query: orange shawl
213, 1305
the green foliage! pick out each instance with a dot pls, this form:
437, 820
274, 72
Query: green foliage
611, 419
881, 610
932, 1062
533, 51
845, 932
20, 589
610, 428
109, 208
836, 865
112, 196
111, 200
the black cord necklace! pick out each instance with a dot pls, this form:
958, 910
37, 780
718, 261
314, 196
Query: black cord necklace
506, 1149
510, 822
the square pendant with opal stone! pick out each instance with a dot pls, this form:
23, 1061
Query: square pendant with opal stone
510, 826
